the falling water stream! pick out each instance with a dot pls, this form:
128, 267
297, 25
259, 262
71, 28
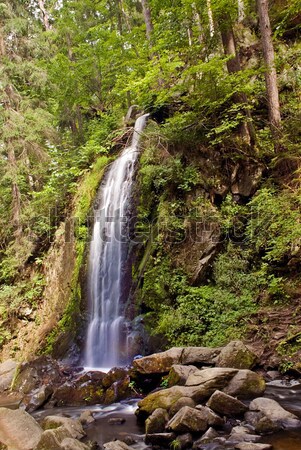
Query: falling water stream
106, 342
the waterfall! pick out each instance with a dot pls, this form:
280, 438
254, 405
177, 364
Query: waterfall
106, 342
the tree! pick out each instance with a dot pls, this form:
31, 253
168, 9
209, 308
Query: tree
270, 68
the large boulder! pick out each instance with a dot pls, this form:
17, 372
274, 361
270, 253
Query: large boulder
179, 374
18, 430
252, 446
85, 389
242, 434
115, 374
118, 391
8, 370
159, 439
73, 426
226, 405
245, 384
188, 420
52, 439
213, 419
211, 379
116, 445
162, 362
236, 355
266, 415
156, 422
37, 398
183, 401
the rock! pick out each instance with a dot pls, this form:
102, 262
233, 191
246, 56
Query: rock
211, 379
161, 439
236, 355
156, 422
166, 398
18, 430
79, 392
225, 404
252, 446
179, 374
245, 384
209, 436
52, 439
86, 417
115, 374
8, 369
118, 391
73, 444
183, 441
266, 415
183, 401
38, 398
43, 371
73, 426
116, 421
116, 445
210, 416
188, 420
242, 434
162, 362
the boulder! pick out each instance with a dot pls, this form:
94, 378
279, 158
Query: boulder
178, 374
8, 369
73, 426
183, 401
252, 446
207, 437
162, 362
73, 444
37, 398
225, 404
236, 355
167, 398
116, 445
18, 430
245, 384
160, 439
266, 415
115, 374
183, 441
78, 392
188, 420
213, 419
242, 434
211, 379
118, 391
52, 439
156, 422
86, 417
116, 420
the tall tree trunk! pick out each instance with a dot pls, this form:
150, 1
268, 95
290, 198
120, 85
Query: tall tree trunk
270, 73
210, 17
147, 19
45, 15
233, 65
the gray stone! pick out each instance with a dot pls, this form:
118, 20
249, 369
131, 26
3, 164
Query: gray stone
252, 446
52, 439
211, 379
212, 419
38, 398
178, 374
236, 355
183, 401
73, 426
161, 439
242, 434
86, 417
245, 384
116, 445
156, 422
188, 420
183, 441
8, 370
225, 404
18, 430
207, 437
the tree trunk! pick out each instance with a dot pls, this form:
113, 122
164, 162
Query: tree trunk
270, 73
45, 15
210, 18
147, 19
233, 65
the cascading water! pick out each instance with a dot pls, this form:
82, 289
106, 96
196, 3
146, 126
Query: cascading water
106, 343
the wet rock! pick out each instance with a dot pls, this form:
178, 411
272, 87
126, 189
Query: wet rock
118, 391
81, 391
183, 401
211, 379
18, 430
73, 426
242, 434
52, 439
115, 374
212, 419
116, 445
226, 405
8, 369
207, 437
245, 384
178, 374
73, 444
37, 398
161, 439
266, 415
86, 417
188, 420
156, 422
236, 355
116, 421
252, 446
43, 371
183, 441
162, 362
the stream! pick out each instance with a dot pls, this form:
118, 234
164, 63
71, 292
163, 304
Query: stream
101, 431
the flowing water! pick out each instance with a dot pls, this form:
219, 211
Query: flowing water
108, 277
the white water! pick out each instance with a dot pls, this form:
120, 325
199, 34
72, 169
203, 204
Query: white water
106, 343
